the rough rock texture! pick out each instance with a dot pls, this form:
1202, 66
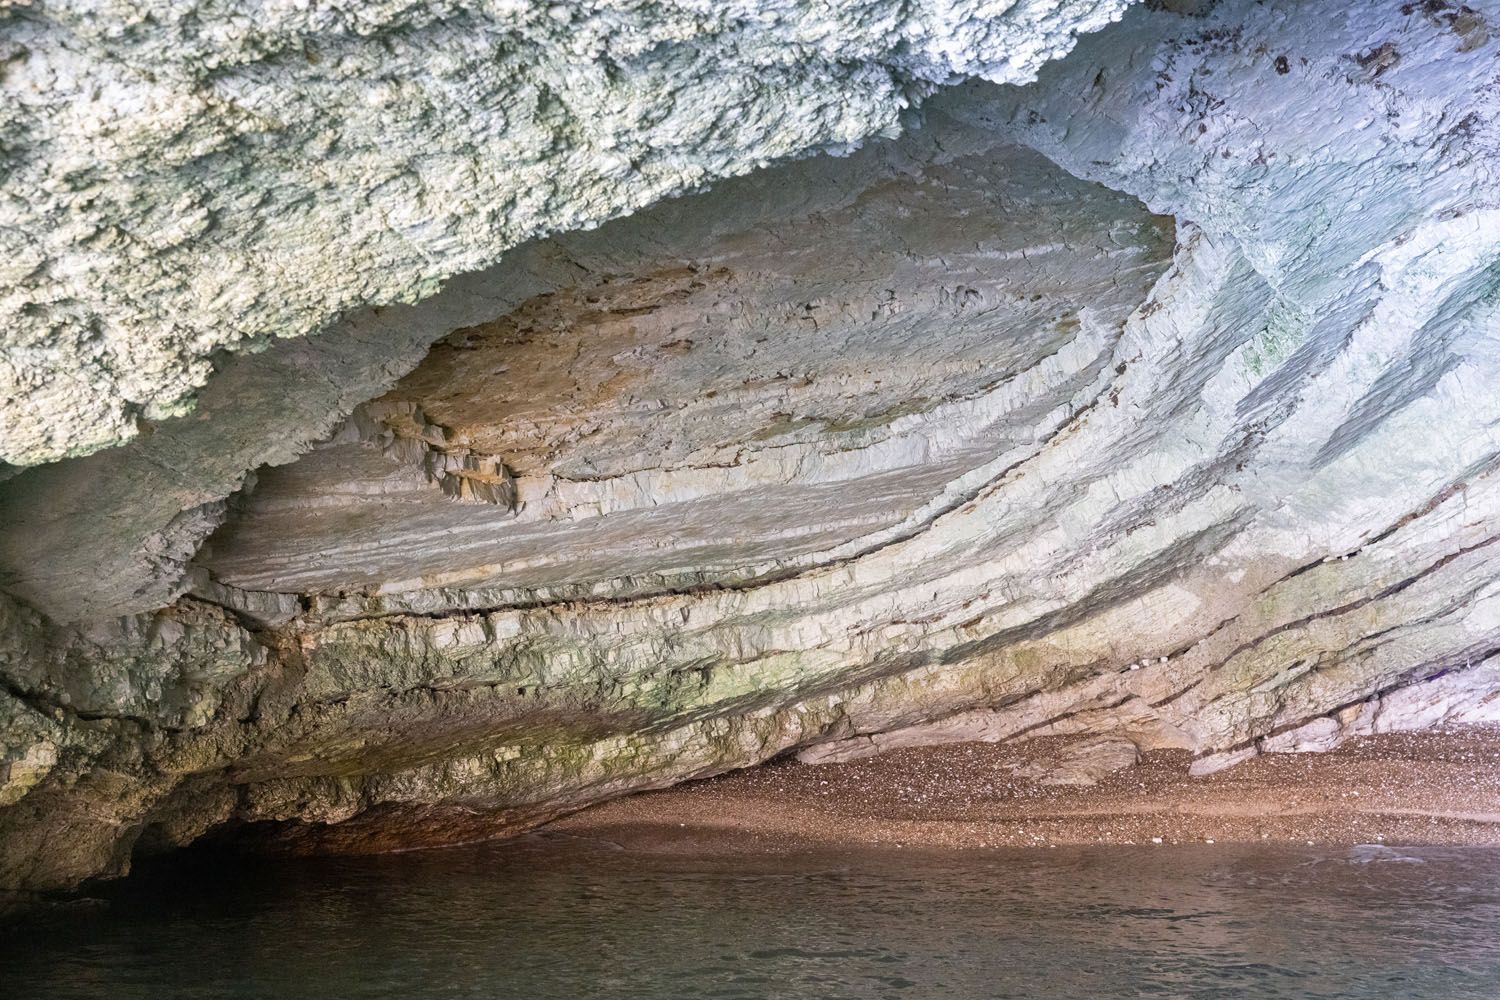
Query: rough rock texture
195, 176
1151, 401
973, 309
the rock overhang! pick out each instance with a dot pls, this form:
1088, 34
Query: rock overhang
790, 395
189, 180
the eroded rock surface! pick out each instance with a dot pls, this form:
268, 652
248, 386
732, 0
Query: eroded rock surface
797, 406
1149, 402
198, 177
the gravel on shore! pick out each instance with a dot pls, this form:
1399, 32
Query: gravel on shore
1432, 788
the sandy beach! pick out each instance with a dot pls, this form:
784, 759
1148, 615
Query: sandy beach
1429, 788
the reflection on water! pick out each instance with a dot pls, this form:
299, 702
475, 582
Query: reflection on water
543, 919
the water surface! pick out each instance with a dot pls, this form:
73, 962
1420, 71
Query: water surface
544, 918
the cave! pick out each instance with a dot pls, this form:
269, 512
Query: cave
584, 437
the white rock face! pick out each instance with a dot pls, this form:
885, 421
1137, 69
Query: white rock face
768, 406
1183, 437
198, 177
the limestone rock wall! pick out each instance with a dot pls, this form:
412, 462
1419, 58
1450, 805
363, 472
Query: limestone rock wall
195, 177
1150, 399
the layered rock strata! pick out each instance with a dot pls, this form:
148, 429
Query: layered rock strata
1150, 400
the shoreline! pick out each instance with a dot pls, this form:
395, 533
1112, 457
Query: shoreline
1439, 788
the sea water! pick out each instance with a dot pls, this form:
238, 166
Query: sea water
548, 918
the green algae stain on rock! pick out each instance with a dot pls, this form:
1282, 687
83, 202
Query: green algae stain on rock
1286, 329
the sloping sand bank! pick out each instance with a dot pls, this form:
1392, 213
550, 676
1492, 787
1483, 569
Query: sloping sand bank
1425, 788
